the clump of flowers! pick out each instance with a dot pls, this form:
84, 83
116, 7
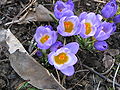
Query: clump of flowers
90, 29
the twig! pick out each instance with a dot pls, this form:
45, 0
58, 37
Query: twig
21, 12
98, 85
31, 45
63, 80
102, 76
4, 60
86, 70
81, 79
33, 53
58, 76
115, 76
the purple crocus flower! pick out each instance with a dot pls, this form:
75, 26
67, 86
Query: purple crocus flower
104, 31
45, 37
39, 53
63, 9
56, 46
64, 58
116, 19
89, 22
100, 45
109, 9
68, 26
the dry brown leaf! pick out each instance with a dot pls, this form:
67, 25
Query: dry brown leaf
40, 13
29, 69
108, 60
13, 43
26, 66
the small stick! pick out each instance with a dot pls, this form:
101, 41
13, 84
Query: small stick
33, 53
63, 79
100, 75
98, 85
115, 76
58, 76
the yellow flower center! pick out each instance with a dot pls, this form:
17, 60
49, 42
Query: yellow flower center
61, 58
44, 39
68, 26
88, 28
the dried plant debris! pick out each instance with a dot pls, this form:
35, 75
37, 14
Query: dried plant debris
30, 70
2, 35
108, 60
2, 2
39, 13
26, 66
13, 43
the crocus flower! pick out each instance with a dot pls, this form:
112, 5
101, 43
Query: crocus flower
104, 31
63, 9
68, 26
64, 58
109, 9
45, 37
39, 53
56, 46
100, 45
89, 24
116, 19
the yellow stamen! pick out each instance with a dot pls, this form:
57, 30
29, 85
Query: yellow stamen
44, 39
61, 58
88, 28
68, 26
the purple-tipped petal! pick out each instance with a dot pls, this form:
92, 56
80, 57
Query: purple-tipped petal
56, 46
109, 9
116, 19
100, 45
70, 5
50, 58
82, 16
69, 71
104, 31
39, 53
73, 46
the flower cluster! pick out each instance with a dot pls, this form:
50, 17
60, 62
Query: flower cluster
86, 25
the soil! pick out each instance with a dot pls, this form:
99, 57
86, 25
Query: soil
83, 79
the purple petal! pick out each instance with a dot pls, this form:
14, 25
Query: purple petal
70, 5
109, 9
56, 46
67, 12
104, 31
69, 71
116, 19
50, 57
82, 16
73, 46
73, 59
39, 53
100, 45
